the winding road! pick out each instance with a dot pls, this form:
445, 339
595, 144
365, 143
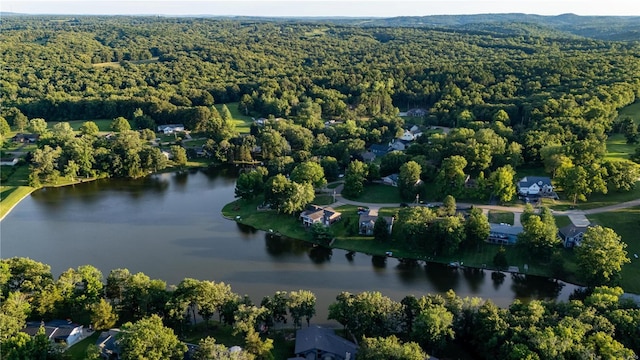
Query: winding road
578, 217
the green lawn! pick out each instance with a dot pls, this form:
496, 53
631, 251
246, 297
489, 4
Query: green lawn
632, 110
499, 217
618, 149
626, 223
322, 199
378, 193
562, 221
103, 124
79, 351
244, 212
243, 122
594, 200
10, 196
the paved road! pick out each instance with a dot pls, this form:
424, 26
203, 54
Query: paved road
517, 211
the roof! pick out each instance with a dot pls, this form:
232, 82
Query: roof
379, 149
393, 177
364, 218
505, 229
318, 338
368, 156
572, 230
530, 180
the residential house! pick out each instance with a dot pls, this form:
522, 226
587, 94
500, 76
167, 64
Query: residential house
504, 234
315, 342
59, 331
170, 128
391, 180
108, 344
535, 185
417, 112
9, 161
367, 223
25, 138
571, 235
378, 149
398, 145
318, 215
407, 136
368, 156
470, 183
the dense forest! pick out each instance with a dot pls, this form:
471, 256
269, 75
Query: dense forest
595, 324
539, 98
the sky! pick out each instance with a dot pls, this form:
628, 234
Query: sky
320, 8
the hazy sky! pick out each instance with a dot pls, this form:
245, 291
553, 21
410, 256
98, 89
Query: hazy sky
321, 8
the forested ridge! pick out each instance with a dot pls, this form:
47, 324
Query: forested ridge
52, 68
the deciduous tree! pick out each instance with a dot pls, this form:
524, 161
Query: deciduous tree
149, 339
601, 255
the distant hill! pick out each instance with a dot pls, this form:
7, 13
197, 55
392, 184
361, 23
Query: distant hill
623, 28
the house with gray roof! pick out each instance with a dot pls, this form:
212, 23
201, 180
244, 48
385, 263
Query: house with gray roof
59, 331
571, 235
367, 222
504, 234
379, 150
322, 215
320, 343
535, 185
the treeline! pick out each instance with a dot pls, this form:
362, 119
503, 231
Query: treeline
55, 67
597, 324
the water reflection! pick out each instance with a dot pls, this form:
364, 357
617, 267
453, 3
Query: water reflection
474, 277
320, 254
169, 226
535, 287
379, 262
278, 246
498, 279
247, 231
442, 277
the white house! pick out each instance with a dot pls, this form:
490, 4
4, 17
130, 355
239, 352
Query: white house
407, 136
535, 185
170, 128
59, 331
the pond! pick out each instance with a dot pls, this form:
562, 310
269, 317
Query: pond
169, 226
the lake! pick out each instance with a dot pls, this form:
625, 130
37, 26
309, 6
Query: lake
169, 226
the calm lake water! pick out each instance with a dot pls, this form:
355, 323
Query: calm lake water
169, 226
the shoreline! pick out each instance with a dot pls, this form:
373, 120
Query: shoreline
12, 206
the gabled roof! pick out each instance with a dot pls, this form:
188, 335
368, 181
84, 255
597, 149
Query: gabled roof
379, 149
572, 230
530, 180
317, 338
505, 229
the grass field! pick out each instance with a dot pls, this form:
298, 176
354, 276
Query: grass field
242, 122
617, 147
103, 124
626, 223
79, 351
10, 196
378, 193
632, 110
499, 217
